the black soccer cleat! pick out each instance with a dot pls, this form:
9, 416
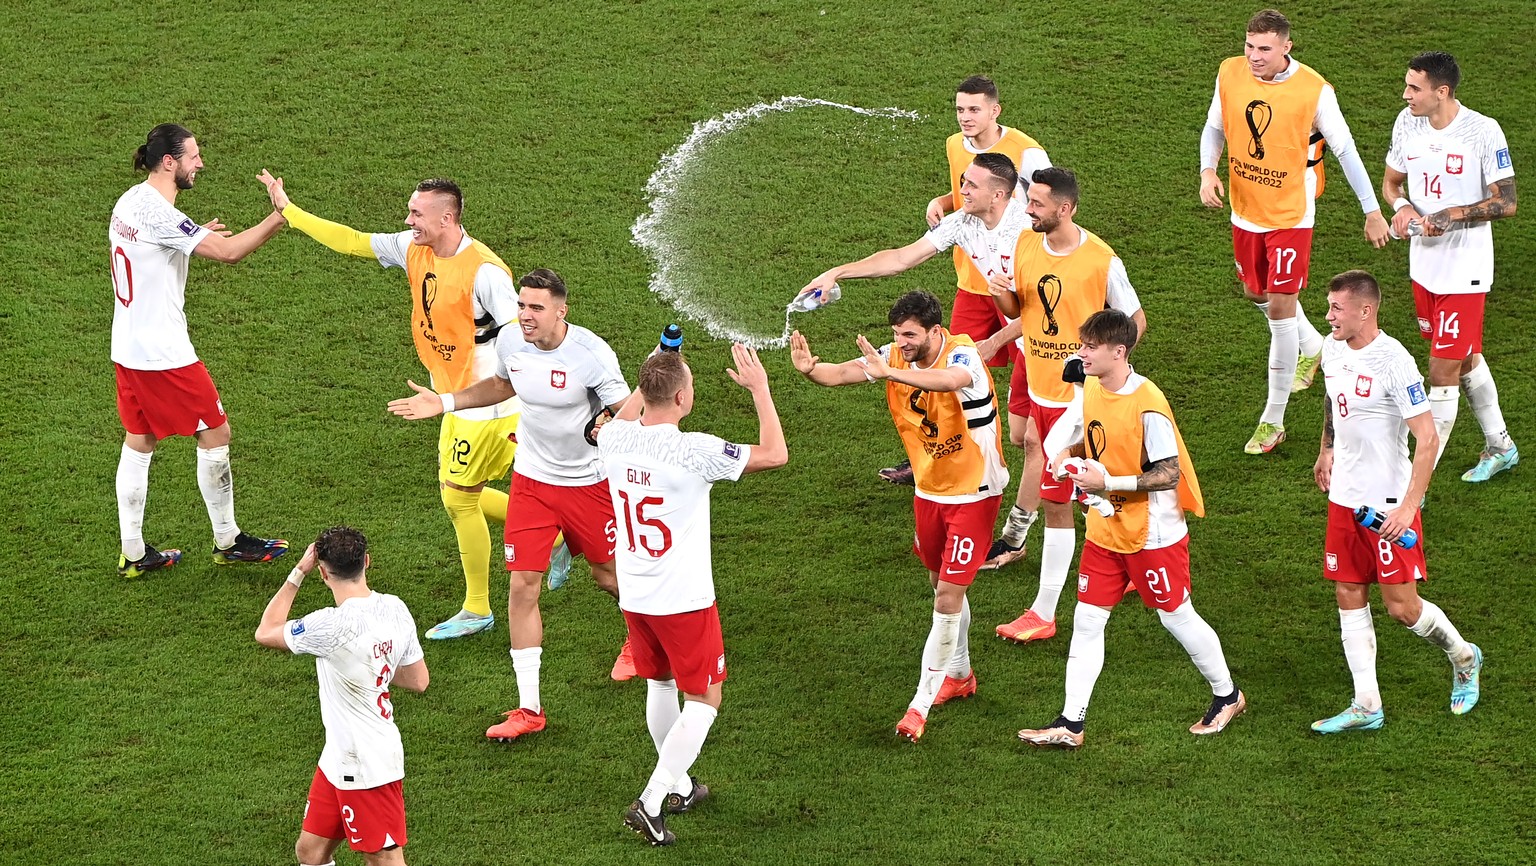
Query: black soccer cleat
676, 804
901, 473
652, 828
249, 548
152, 560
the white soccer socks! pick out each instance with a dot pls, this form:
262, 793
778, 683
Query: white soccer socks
1055, 562
661, 709
525, 666
1085, 660
1483, 397
678, 752
1443, 403
1435, 627
132, 491
937, 654
1200, 641
1359, 636
960, 663
1284, 344
1309, 339
218, 487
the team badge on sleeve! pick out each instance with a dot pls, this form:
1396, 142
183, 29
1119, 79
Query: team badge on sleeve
1502, 158
733, 451
297, 628
1416, 393
188, 227
960, 358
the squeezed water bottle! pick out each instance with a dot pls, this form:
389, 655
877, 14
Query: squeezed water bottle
671, 339
1372, 519
1415, 228
810, 299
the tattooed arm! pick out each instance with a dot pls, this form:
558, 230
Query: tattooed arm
1161, 475
1323, 469
1499, 204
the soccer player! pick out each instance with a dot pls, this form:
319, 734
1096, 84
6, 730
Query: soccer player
1063, 274
659, 479
1276, 116
567, 378
461, 297
941, 399
362, 646
1128, 449
162, 388
1375, 399
1449, 170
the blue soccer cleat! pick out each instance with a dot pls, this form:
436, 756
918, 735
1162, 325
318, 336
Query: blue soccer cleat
1491, 463
461, 624
560, 566
1466, 685
1356, 718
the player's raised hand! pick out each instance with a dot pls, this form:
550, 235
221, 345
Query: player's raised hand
309, 560
749, 372
824, 281
424, 404
874, 365
800, 354
1211, 189
935, 211
217, 227
275, 190
1376, 229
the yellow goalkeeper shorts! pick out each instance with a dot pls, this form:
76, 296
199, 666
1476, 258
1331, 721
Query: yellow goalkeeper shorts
474, 452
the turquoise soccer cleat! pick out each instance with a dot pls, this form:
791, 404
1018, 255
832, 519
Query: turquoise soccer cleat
1491, 464
560, 566
1356, 718
1466, 686
461, 624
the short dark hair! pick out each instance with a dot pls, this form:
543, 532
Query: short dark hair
1270, 21
1358, 284
662, 375
444, 186
546, 279
923, 307
1439, 67
1000, 166
978, 85
343, 550
167, 139
1061, 182
1109, 328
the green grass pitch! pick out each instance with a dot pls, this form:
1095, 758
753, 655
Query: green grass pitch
141, 724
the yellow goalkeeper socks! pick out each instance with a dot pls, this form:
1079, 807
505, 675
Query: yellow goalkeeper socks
465, 510
493, 504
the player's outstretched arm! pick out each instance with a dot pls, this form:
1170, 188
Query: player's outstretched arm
812, 367
882, 264
338, 237
426, 403
992, 345
269, 632
1499, 204
772, 451
221, 246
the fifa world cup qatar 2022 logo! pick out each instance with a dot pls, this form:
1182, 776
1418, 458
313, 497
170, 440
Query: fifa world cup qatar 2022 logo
1096, 439
1049, 290
1258, 115
428, 298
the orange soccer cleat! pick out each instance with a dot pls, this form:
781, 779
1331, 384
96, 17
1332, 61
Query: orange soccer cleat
956, 688
624, 665
519, 722
911, 726
1026, 628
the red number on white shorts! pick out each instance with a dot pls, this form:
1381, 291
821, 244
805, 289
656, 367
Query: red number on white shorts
636, 515
961, 549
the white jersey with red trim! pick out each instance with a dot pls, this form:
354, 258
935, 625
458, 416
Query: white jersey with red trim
659, 479
1371, 393
1451, 167
150, 243
358, 645
991, 250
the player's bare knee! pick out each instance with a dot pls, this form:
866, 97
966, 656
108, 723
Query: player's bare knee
1406, 610
949, 597
1058, 515
312, 849
523, 588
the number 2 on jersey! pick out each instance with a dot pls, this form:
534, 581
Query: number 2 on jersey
636, 514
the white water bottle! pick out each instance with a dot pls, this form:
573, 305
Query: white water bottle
810, 299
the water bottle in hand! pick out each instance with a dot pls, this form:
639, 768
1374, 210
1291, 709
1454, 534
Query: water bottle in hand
810, 299
1372, 519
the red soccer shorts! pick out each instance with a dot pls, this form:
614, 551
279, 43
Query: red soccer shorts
161, 403
686, 647
1051, 489
1161, 576
1354, 554
370, 819
977, 317
1452, 323
537, 512
1274, 261
953, 538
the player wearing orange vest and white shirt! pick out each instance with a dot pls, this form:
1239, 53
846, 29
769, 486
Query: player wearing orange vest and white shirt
1276, 116
568, 379
976, 110
1062, 275
162, 388
659, 478
1449, 169
363, 646
1375, 399
942, 403
461, 297
1127, 448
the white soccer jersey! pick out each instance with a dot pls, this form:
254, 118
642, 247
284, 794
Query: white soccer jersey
151, 243
659, 479
1165, 517
561, 390
495, 306
991, 250
358, 646
1451, 167
977, 396
1371, 393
